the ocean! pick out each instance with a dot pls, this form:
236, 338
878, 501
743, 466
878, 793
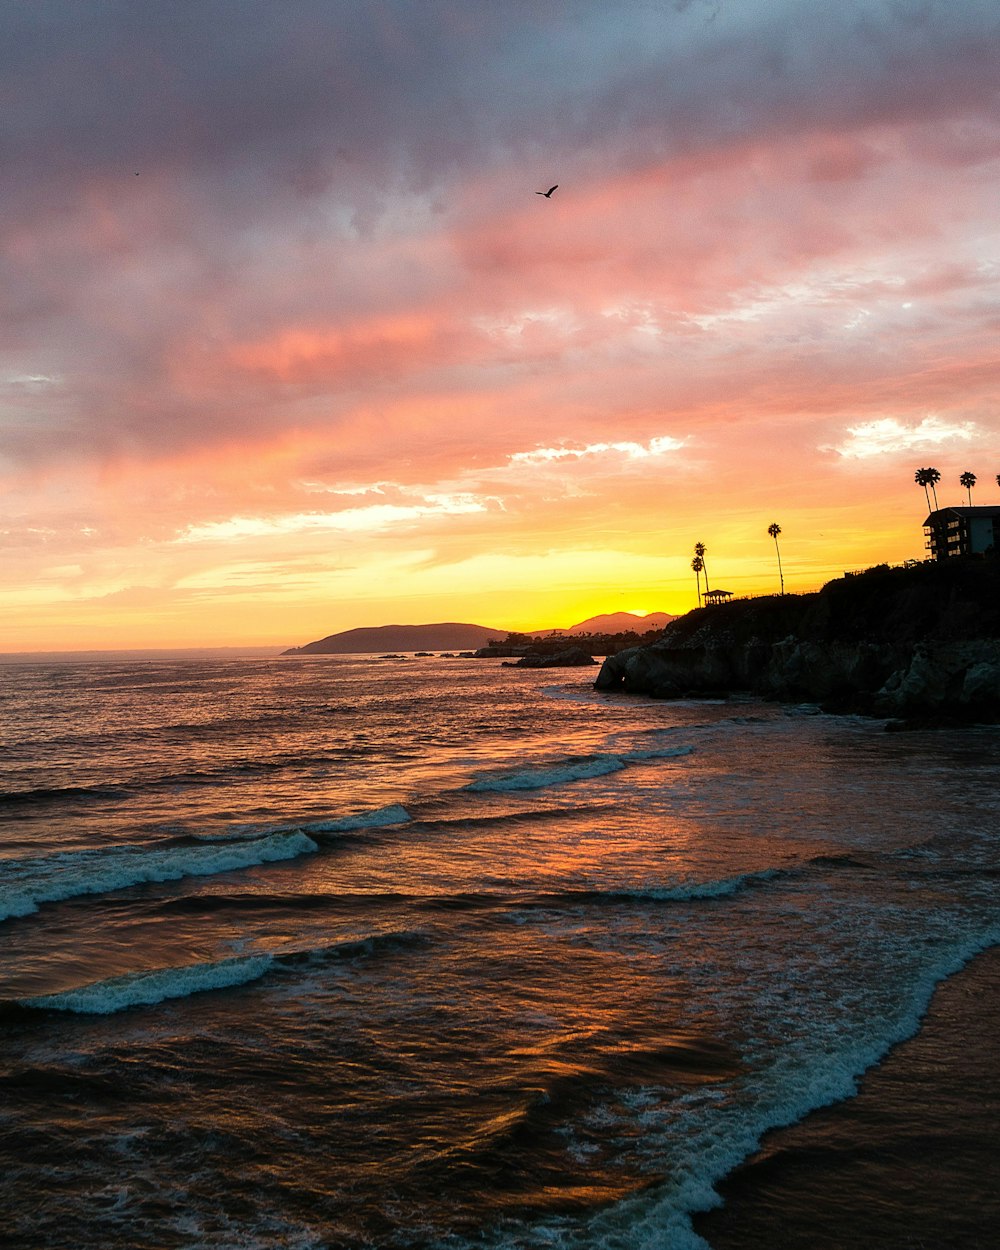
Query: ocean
324, 952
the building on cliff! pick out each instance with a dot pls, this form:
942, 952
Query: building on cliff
962, 532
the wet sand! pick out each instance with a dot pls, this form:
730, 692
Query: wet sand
911, 1163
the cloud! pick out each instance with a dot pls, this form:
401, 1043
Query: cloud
888, 436
369, 519
630, 450
259, 256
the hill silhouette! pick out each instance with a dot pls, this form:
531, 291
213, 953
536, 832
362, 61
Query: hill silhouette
620, 623
367, 640
453, 636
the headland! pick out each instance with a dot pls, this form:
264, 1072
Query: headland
920, 641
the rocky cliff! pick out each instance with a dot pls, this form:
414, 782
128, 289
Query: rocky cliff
912, 642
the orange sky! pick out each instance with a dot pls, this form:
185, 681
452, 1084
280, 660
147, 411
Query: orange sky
290, 345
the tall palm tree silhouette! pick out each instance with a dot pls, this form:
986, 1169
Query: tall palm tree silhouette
922, 479
774, 529
934, 477
699, 551
968, 480
925, 478
697, 564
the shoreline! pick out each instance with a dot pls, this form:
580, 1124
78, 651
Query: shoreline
909, 1163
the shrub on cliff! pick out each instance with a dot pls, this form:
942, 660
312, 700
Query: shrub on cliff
947, 600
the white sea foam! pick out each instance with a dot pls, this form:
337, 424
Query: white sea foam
540, 778
572, 770
377, 818
143, 989
52, 878
720, 1133
700, 889
723, 1139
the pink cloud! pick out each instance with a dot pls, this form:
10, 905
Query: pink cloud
252, 261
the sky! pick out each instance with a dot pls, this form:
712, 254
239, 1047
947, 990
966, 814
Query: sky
289, 344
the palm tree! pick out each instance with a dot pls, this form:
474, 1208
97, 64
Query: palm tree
934, 477
699, 551
925, 478
697, 564
774, 529
921, 479
968, 480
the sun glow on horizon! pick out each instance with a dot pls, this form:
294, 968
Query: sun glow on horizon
346, 368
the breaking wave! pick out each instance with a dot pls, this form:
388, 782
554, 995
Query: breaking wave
157, 985
572, 770
143, 989
68, 874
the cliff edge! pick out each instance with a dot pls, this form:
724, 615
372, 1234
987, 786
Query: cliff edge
915, 641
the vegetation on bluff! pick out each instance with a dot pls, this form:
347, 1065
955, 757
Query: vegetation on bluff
919, 641
942, 600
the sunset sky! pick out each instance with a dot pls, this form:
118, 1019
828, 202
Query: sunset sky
290, 345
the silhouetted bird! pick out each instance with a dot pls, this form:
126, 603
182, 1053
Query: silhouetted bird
548, 192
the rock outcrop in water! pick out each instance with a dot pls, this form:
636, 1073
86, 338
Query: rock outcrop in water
568, 657
912, 642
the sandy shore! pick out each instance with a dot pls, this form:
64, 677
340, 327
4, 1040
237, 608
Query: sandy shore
911, 1163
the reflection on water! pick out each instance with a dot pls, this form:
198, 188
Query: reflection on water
328, 954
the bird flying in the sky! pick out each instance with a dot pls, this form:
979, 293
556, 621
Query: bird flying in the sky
548, 192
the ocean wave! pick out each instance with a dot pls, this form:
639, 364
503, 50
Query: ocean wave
376, 818
372, 818
364, 904
169, 735
351, 948
254, 766
838, 859
657, 753
691, 890
723, 1138
681, 892
40, 795
557, 775
572, 770
157, 985
144, 989
54, 878
229, 773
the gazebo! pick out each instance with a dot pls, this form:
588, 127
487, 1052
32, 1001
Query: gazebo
711, 597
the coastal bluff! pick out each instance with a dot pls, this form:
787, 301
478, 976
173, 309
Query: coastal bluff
917, 641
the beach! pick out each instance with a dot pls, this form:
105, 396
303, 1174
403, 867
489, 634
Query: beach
911, 1163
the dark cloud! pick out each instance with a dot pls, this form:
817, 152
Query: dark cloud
314, 91
186, 177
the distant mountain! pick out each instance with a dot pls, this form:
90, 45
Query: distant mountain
449, 636
620, 623
376, 639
